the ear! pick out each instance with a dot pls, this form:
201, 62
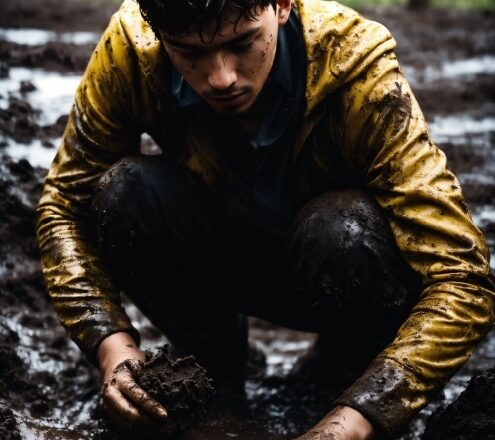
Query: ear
283, 11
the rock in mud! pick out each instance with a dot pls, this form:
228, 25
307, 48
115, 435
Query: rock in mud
20, 121
471, 416
180, 385
27, 87
8, 424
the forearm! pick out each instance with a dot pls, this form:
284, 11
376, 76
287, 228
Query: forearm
83, 295
87, 303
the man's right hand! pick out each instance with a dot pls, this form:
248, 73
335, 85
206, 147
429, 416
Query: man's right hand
125, 402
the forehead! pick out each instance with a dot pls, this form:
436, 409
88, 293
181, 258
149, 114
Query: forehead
231, 27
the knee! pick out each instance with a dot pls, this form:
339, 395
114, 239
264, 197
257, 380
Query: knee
128, 179
334, 224
342, 249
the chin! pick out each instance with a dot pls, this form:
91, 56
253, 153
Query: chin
228, 111
234, 109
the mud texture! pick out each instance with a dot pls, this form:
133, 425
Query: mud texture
8, 425
471, 416
20, 188
180, 385
55, 56
67, 15
19, 121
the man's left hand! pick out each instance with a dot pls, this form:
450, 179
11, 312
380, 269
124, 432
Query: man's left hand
342, 423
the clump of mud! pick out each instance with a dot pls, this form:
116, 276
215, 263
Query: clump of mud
471, 416
8, 425
180, 385
19, 121
55, 56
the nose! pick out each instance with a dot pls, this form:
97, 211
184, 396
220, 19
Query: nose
222, 74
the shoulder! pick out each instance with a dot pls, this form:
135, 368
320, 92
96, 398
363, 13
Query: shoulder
131, 40
339, 28
137, 31
340, 44
129, 53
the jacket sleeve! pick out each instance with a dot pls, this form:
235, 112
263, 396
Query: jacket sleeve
100, 130
386, 139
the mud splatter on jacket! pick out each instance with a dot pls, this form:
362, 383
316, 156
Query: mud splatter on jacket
361, 124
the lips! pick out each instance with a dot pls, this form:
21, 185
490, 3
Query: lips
225, 98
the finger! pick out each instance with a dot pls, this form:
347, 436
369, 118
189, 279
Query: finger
118, 406
143, 400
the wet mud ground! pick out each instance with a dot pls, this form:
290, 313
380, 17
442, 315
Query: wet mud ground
47, 389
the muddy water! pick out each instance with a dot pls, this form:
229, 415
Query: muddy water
35, 37
54, 393
451, 70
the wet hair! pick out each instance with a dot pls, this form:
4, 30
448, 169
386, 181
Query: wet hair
179, 17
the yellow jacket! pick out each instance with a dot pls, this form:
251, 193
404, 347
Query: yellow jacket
361, 124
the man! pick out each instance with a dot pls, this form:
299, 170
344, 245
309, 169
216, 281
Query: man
298, 183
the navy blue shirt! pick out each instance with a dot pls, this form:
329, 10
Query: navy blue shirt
264, 164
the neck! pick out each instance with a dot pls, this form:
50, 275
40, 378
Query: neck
249, 123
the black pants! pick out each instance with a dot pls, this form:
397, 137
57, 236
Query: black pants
188, 256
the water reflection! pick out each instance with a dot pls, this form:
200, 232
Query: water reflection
34, 37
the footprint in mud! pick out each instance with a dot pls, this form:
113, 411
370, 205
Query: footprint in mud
179, 384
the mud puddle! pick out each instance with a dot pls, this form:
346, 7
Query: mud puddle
35, 37
35, 103
451, 70
51, 93
462, 128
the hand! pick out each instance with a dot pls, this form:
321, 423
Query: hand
342, 423
125, 402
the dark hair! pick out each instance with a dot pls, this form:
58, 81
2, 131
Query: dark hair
177, 17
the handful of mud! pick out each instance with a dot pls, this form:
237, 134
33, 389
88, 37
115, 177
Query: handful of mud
180, 385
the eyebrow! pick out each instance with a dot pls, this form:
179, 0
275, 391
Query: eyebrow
181, 45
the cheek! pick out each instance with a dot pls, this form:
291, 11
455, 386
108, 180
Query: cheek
269, 46
263, 58
187, 68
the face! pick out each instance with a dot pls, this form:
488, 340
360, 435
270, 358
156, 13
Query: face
228, 69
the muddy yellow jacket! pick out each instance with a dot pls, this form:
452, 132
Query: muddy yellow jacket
361, 125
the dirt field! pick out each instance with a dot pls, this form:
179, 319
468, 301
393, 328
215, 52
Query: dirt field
47, 390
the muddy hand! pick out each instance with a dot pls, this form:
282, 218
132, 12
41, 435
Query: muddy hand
125, 402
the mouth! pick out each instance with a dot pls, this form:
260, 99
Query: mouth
226, 98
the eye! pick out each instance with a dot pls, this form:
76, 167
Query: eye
239, 48
191, 54
183, 52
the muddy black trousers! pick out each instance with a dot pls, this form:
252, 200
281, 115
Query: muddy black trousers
188, 257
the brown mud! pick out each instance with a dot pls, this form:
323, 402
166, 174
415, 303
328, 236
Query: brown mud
471, 416
8, 425
67, 15
180, 385
19, 121
48, 390
55, 56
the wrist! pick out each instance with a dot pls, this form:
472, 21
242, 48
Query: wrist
115, 349
345, 423
358, 426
